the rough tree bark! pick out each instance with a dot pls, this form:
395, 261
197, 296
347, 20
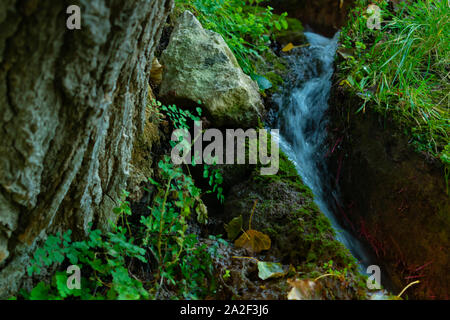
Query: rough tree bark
71, 103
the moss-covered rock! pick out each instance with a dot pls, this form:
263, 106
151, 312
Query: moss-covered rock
293, 34
300, 234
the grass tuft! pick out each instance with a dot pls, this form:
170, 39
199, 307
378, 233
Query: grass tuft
403, 69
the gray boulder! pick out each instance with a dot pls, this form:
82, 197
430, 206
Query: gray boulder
199, 66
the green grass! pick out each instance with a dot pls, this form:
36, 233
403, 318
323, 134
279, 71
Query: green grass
402, 70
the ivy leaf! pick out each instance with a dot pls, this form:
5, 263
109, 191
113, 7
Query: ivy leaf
61, 285
153, 182
278, 25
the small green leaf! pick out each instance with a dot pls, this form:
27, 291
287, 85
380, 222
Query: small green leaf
153, 182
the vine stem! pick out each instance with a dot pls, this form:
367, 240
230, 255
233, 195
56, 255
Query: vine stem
161, 221
326, 275
250, 258
409, 285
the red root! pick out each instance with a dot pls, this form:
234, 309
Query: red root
415, 277
339, 169
338, 142
423, 266
376, 245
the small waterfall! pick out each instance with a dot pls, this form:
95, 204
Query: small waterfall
303, 128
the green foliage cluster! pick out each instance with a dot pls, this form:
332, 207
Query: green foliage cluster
179, 263
180, 119
245, 27
111, 262
402, 69
103, 256
165, 234
332, 271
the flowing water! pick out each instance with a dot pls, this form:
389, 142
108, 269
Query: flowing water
303, 128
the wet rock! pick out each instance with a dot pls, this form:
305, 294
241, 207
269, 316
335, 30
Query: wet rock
395, 199
200, 67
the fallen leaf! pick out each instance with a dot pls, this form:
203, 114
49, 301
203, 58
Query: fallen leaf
304, 289
346, 53
156, 72
268, 270
288, 47
234, 227
253, 241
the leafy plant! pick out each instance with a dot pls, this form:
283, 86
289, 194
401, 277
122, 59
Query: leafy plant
331, 272
103, 257
178, 261
226, 275
215, 179
165, 233
181, 120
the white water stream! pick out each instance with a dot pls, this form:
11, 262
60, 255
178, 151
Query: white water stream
303, 128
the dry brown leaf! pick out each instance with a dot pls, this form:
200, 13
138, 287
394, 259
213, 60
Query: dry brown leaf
253, 241
304, 289
156, 72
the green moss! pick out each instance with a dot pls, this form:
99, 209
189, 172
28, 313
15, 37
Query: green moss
272, 67
287, 172
310, 229
275, 79
294, 33
294, 24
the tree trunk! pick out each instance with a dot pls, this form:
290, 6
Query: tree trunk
71, 103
